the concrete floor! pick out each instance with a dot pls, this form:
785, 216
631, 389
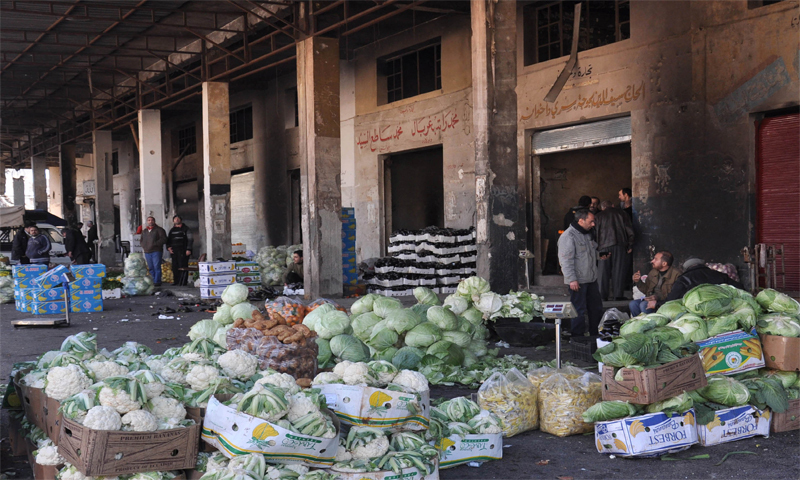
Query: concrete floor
571, 457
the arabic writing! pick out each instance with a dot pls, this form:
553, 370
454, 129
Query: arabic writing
581, 72
435, 123
598, 98
753, 92
425, 129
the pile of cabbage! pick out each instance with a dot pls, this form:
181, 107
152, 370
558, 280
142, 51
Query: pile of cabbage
6, 289
136, 279
273, 262
234, 305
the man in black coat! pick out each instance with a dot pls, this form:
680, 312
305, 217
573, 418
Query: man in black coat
20, 244
696, 273
76, 246
179, 244
91, 237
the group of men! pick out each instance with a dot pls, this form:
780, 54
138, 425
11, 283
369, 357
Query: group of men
597, 244
179, 244
31, 245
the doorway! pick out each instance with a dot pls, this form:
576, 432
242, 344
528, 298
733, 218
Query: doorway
295, 211
414, 190
186, 207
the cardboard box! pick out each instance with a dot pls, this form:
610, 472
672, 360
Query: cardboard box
110, 453
25, 283
781, 353
457, 450
235, 433
16, 437
97, 270
32, 401
28, 271
26, 295
88, 283
49, 308
788, 420
53, 278
731, 352
48, 295
52, 418
247, 267
217, 279
654, 384
216, 267
211, 292
377, 407
733, 424
198, 414
646, 435
40, 472
249, 278
112, 294
80, 295
87, 305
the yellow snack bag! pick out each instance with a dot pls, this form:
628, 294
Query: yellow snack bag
513, 399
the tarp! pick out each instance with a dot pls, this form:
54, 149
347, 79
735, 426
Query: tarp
12, 216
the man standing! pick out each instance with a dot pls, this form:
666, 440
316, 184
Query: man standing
76, 246
614, 231
584, 202
38, 250
595, 206
294, 273
695, 272
658, 285
179, 244
626, 202
153, 240
91, 238
577, 253
19, 245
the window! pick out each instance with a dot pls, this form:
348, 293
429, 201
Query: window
187, 141
242, 124
761, 3
548, 27
292, 108
115, 162
413, 71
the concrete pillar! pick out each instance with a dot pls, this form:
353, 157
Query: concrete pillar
2, 177
38, 169
68, 183
494, 82
151, 180
19, 192
321, 164
217, 169
104, 197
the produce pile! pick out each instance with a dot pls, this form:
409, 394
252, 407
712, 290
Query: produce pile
166, 271
216, 466
136, 279
273, 262
6, 289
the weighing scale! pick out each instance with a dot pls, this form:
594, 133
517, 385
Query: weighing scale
66, 278
556, 311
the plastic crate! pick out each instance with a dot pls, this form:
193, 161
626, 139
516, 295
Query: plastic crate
582, 348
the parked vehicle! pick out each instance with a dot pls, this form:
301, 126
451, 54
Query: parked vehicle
13, 219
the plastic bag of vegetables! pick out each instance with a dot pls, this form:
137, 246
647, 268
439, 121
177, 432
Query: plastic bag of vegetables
293, 311
563, 401
139, 285
513, 399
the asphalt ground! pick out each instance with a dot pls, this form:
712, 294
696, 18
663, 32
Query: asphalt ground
528, 455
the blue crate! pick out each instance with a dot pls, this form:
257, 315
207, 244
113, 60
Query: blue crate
96, 270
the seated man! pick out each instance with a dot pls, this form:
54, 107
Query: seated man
658, 285
696, 273
294, 273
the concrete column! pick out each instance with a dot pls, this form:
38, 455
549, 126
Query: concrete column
68, 183
151, 180
104, 196
217, 169
19, 192
38, 168
321, 164
494, 82
2, 177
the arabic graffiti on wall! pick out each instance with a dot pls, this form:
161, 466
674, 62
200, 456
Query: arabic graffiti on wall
753, 92
597, 99
426, 129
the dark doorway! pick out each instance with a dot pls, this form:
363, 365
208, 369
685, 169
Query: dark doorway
416, 181
295, 212
186, 207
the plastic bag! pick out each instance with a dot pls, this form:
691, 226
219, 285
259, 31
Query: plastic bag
538, 375
512, 398
292, 310
296, 359
562, 400
139, 285
611, 321
135, 265
6, 290
322, 301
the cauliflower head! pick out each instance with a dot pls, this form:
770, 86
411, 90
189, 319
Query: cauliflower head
156, 364
280, 380
299, 406
324, 378
139, 421
200, 377
341, 367
165, 408
105, 369
119, 400
358, 374
238, 364
48, 455
64, 382
412, 380
342, 455
102, 418
373, 449
69, 472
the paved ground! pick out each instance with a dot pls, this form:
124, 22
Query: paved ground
525, 455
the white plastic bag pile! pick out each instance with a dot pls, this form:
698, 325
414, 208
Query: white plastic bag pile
137, 279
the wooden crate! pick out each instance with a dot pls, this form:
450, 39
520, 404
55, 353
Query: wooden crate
654, 384
788, 420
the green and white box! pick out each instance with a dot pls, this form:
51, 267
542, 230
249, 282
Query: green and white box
457, 450
377, 407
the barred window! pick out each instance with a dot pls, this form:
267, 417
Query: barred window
242, 124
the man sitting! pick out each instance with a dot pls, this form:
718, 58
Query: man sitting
696, 273
658, 285
294, 273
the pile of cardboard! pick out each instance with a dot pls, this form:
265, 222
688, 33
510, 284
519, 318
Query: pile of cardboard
42, 292
215, 276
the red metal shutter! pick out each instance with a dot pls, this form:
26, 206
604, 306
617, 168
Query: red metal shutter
778, 190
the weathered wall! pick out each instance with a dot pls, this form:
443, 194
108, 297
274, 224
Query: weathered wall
126, 182
441, 117
692, 86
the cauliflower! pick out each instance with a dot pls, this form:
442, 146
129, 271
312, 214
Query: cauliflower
153, 389
48, 455
200, 377
105, 369
164, 408
156, 364
172, 375
193, 357
71, 473
217, 462
342, 455
412, 380
325, 378
102, 418
299, 406
35, 379
358, 374
139, 421
374, 449
280, 380
64, 382
341, 367
120, 400
238, 364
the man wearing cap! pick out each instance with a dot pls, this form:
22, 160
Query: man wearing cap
696, 273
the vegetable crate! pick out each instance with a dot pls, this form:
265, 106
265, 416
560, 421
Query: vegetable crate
652, 385
648, 435
457, 450
380, 408
733, 424
780, 353
582, 348
788, 420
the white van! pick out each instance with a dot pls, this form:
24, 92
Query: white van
58, 252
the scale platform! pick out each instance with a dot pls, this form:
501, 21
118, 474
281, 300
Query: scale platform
41, 322
556, 311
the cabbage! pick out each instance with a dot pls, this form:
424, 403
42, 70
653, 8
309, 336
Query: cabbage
423, 335
473, 315
610, 410
348, 347
478, 347
489, 303
324, 355
775, 301
725, 323
457, 303
708, 300
421, 309
779, 324
363, 304
745, 315
407, 358
221, 336
234, 294
660, 320
481, 333
631, 350
787, 379
465, 326
383, 305
243, 310
669, 336
313, 316
726, 391
637, 325
386, 355
402, 320
332, 324
137, 285
469, 358
443, 318
459, 338
363, 324
203, 329
472, 288
678, 404
426, 296
692, 327
449, 352
223, 314
381, 339
672, 309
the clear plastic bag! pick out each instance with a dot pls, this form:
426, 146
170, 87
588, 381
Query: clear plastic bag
322, 301
138, 285
513, 399
611, 322
538, 375
563, 398
296, 359
291, 310
135, 265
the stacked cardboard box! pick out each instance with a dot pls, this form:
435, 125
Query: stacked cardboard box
214, 277
24, 276
349, 264
86, 292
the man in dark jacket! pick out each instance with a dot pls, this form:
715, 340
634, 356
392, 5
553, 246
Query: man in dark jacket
657, 286
696, 273
179, 244
153, 240
76, 246
91, 238
614, 231
19, 245
584, 202
39, 246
